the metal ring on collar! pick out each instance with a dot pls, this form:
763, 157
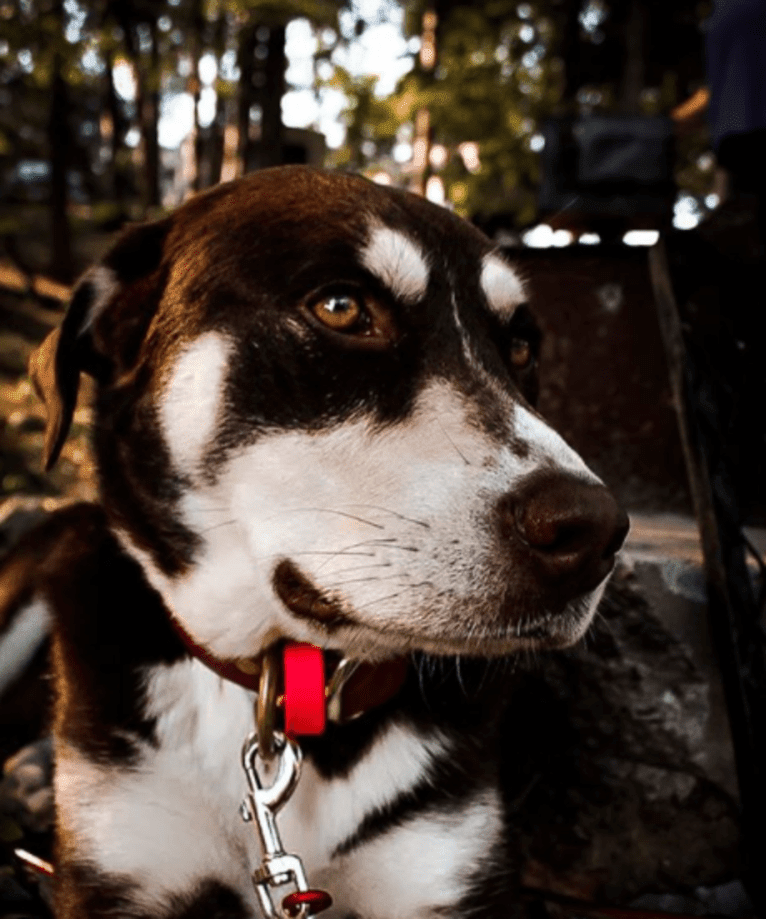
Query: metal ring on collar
266, 704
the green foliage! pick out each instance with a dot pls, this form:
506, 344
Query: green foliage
372, 124
496, 77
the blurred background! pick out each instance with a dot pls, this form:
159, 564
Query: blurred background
112, 109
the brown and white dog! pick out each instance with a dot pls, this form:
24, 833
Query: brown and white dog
314, 421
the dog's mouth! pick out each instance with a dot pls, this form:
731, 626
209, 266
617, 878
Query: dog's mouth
307, 602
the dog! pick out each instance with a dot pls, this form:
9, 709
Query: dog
314, 421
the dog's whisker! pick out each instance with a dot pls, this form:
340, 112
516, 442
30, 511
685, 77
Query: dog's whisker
602, 620
459, 674
380, 600
386, 544
367, 542
462, 456
485, 674
217, 526
389, 540
396, 514
422, 678
367, 580
363, 567
331, 510
333, 554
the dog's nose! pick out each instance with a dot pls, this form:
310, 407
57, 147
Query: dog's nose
571, 528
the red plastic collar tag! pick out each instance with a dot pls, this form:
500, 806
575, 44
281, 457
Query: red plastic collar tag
305, 710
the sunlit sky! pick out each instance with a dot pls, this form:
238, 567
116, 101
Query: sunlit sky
381, 50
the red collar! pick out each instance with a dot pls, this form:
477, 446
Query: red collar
369, 686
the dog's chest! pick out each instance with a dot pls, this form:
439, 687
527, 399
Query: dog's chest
417, 862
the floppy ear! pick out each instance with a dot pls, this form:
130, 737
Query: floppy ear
108, 315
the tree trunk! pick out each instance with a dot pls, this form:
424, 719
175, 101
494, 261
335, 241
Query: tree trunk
194, 87
59, 143
569, 50
248, 41
114, 111
215, 133
149, 124
272, 129
147, 102
215, 143
632, 81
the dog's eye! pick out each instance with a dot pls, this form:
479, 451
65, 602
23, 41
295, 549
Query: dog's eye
352, 317
521, 354
340, 312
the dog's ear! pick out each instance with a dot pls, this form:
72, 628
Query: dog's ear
108, 315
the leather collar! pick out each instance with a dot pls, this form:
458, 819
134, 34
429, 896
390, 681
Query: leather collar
369, 686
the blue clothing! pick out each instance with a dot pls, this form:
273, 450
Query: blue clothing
736, 66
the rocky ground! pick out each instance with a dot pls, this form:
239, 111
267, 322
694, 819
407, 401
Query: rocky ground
622, 784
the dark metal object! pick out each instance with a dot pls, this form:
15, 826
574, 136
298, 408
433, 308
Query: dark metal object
608, 166
733, 568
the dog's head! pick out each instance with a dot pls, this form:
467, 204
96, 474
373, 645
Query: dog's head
314, 420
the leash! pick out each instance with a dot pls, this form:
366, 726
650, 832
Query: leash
309, 688
308, 701
267, 750
304, 703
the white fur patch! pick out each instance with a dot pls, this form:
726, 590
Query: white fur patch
154, 827
424, 864
171, 821
334, 809
20, 643
190, 403
546, 445
502, 286
397, 261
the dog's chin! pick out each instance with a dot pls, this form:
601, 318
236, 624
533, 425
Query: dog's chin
340, 628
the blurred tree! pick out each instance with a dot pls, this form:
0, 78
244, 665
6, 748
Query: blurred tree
262, 63
33, 65
84, 84
493, 77
138, 21
69, 126
59, 147
373, 124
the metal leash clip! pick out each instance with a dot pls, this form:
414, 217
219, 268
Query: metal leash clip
278, 868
